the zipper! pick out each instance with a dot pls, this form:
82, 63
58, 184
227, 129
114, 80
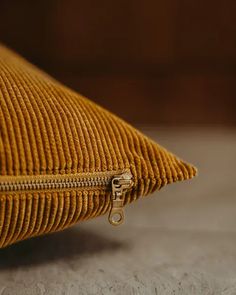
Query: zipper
120, 185
118, 182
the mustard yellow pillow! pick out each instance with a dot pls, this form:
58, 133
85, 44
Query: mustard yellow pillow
64, 159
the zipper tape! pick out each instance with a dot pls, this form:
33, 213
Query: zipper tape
119, 183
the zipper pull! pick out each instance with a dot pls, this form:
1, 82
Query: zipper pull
120, 184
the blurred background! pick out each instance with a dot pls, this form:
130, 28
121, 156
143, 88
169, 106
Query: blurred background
152, 62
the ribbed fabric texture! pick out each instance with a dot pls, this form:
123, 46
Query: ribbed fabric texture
46, 128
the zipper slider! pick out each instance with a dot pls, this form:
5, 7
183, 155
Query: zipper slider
120, 184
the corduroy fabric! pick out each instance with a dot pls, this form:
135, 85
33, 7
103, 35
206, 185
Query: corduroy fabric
46, 128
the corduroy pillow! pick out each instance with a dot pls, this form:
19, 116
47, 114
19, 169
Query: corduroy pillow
64, 159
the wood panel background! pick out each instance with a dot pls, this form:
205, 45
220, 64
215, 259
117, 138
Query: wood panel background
152, 62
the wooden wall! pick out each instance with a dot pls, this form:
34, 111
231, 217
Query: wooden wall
152, 61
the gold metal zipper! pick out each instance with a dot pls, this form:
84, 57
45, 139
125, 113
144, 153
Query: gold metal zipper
120, 185
118, 182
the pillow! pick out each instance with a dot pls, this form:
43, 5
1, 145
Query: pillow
64, 159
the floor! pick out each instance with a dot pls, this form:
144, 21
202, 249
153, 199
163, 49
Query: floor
181, 240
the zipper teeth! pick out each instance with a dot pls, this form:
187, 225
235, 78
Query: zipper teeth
59, 184
54, 182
